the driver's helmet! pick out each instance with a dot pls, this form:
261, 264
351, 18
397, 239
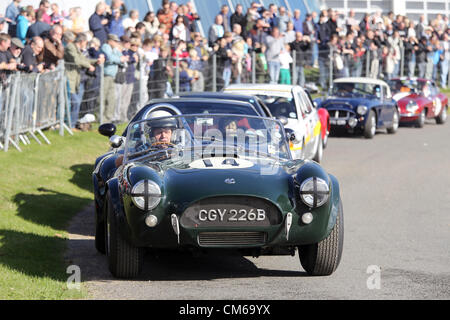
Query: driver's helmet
165, 122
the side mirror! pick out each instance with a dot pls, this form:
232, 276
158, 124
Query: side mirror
283, 120
290, 135
107, 129
116, 141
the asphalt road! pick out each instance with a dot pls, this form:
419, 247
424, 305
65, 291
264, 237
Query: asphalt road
396, 196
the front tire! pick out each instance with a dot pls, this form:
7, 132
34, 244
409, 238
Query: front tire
371, 125
395, 122
124, 259
421, 120
323, 258
442, 117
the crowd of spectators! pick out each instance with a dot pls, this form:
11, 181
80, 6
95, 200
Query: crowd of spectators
275, 42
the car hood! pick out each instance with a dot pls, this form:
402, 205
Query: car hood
185, 185
350, 103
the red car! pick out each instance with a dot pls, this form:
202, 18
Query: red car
418, 100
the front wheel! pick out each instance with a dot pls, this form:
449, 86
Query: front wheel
442, 117
124, 259
371, 125
421, 120
395, 121
323, 258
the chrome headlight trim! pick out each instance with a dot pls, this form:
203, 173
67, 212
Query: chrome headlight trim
412, 106
314, 192
361, 110
146, 195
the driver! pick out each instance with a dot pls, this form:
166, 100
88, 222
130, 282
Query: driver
160, 135
161, 131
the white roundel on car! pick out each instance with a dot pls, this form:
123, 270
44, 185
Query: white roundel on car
221, 163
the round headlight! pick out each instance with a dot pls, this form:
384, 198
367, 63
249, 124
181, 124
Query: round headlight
146, 195
314, 192
412, 106
361, 110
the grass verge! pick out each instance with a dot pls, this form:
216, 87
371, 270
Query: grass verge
40, 191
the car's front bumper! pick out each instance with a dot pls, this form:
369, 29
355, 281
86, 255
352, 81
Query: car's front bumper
409, 117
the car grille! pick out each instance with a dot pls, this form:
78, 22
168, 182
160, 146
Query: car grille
215, 239
340, 114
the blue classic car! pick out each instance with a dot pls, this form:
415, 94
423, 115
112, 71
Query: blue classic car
361, 104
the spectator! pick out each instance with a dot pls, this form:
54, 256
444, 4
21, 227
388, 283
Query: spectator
239, 18
216, 31
7, 65
257, 34
301, 46
224, 12
285, 61
158, 81
261, 67
113, 58
445, 59
411, 47
151, 24
275, 44
115, 24
30, 54
273, 19
323, 37
39, 28
132, 20
299, 26
53, 47
11, 15
78, 22
284, 18
179, 30
289, 34
98, 23
125, 80
23, 20
185, 78
165, 17
75, 63
44, 6
56, 17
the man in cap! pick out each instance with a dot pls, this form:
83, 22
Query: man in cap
113, 58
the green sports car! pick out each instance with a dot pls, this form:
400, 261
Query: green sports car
213, 182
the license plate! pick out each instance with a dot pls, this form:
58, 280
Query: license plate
231, 215
338, 122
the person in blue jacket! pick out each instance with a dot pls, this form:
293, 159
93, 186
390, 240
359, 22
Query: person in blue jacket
98, 23
23, 23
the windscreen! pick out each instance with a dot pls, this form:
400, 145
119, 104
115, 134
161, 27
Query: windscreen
205, 135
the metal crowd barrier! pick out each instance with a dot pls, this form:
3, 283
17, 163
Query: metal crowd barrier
30, 103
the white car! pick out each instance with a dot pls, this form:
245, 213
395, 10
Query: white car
294, 108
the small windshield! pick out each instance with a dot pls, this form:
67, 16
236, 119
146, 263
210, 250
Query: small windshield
280, 106
345, 89
188, 137
407, 86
